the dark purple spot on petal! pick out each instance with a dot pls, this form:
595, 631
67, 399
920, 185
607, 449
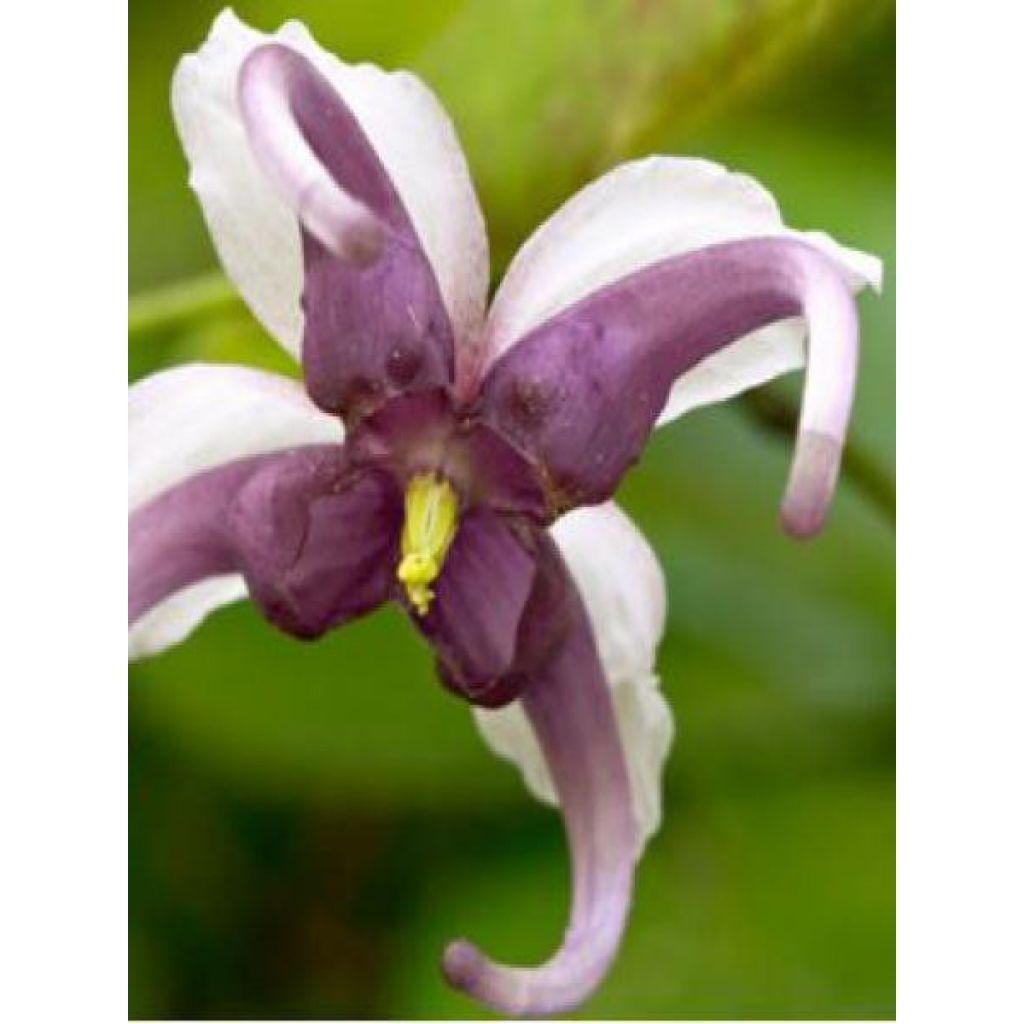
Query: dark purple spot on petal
404, 362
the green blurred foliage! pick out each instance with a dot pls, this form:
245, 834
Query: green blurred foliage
310, 823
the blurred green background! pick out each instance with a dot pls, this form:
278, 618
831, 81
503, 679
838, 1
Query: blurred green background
309, 824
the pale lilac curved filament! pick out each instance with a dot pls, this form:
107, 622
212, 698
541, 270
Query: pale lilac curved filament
569, 706
179, 537
339, 221
830, 379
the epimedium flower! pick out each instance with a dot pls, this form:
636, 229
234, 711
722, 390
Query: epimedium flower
460, 461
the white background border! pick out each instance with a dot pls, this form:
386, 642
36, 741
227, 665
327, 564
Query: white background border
961, 452
63, 719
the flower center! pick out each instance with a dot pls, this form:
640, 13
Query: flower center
431, 518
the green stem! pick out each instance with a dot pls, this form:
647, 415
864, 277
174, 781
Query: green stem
780, 414
174, 304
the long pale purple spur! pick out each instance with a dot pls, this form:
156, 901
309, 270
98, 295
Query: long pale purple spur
441, 458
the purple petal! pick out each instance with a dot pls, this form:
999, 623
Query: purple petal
480, 596
269, 83
375, 321
315, 538
580, 394
180, 537
568, 703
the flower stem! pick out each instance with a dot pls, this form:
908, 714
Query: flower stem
174, 304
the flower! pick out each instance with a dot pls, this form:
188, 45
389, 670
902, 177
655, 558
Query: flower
461, 461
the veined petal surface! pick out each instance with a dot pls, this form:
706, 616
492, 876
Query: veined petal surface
474, 623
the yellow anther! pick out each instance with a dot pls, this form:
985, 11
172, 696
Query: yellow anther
431, 518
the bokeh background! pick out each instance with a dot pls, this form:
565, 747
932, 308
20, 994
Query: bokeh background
310, 823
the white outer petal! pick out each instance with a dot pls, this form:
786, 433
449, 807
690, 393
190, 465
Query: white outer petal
257, 235
636, 215
194, 417
189, 419
623, 588
621, 583
172, 620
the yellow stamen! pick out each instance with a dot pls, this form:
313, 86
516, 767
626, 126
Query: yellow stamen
431, 518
